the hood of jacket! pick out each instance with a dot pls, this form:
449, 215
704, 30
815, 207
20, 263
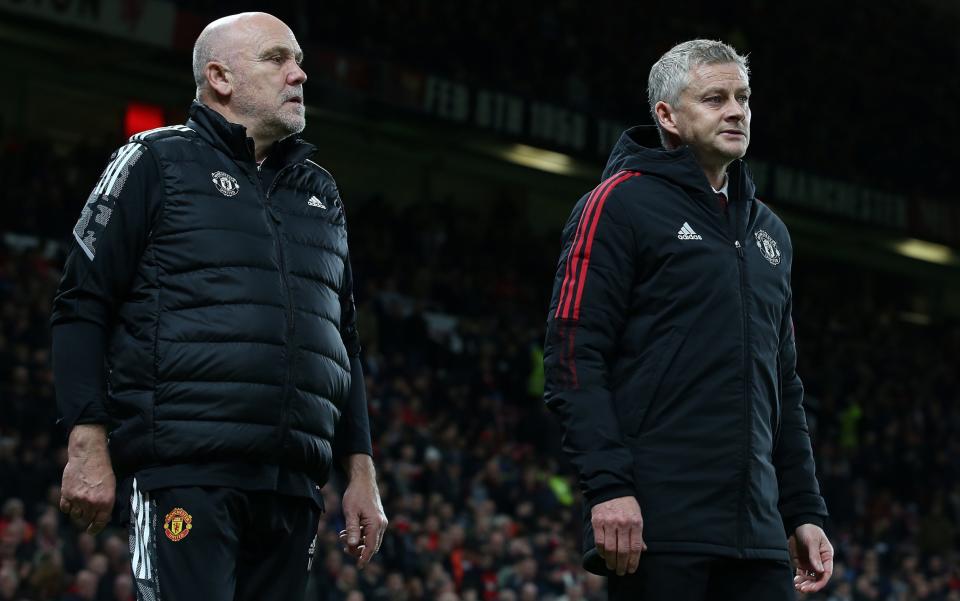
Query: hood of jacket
679, 166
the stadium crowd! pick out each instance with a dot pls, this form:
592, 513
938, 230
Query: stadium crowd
481, 502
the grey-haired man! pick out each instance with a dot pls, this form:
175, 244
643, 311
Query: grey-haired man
671, 361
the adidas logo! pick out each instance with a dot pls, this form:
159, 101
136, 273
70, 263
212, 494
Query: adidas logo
686, 233
315, 202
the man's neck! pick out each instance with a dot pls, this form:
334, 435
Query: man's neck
716, 174
261, 144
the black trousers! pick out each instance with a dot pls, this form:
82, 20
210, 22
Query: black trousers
220, 544
679, 577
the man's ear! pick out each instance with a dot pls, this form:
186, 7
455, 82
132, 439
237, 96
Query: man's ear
219, 78
666, 117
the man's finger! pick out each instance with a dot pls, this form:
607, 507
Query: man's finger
380, 533
607, 546
598, 538
78, 513
366, 554
623, 550
99, 522
636, 547
96, 527
373, 534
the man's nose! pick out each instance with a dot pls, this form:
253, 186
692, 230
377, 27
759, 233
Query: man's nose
735, 110
297, 75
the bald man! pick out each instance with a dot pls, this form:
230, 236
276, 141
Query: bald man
206, 355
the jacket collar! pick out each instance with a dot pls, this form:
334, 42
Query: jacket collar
679, 166
232, 138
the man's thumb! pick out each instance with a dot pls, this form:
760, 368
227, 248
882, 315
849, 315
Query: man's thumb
815, 558
353, 530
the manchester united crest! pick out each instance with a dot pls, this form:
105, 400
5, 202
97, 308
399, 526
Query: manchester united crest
768, 246
177, 524
225, 183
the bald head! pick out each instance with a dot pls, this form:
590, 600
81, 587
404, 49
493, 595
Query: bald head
247, 68
223, 39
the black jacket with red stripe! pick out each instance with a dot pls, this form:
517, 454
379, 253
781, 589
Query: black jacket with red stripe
670, 359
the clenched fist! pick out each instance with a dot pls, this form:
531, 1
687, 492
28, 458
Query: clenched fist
89, 485
618, 533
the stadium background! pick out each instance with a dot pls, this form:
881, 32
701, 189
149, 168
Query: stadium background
461, 134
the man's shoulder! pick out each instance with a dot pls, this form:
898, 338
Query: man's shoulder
319, 170
769, 219
319, 177
629, 191
163, 133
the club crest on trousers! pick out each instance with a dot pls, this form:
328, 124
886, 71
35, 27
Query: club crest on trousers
177, 524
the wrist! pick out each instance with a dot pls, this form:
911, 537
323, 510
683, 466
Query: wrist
87, 438
359, 467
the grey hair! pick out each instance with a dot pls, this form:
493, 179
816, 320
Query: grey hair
210, 47
670, 75
202, 54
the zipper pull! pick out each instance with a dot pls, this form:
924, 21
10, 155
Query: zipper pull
739, 248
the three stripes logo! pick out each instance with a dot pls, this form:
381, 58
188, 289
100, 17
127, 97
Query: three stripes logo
100, 204
686, 233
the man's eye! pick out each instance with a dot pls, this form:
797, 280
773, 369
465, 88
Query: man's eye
743, 99
712, 99
277, 59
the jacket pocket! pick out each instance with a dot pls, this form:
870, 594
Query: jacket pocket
636, 399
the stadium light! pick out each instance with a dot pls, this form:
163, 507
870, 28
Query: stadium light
141, 117
538, 158
926, 251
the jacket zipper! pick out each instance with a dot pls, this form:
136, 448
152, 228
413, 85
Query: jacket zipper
745, 462
274, 222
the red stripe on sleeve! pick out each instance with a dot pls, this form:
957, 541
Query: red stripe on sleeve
581, 281
581, 241
566, 288
587, 229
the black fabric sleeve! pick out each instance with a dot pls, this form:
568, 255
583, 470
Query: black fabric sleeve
352, 435
108, 241
793, 456
587, 313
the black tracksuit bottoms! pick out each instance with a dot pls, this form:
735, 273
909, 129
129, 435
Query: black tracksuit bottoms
681, 577
220, 544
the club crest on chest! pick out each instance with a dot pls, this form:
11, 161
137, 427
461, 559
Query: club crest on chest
226, 184
768, 247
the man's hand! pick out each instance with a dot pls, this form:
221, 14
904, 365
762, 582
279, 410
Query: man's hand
618, 533
89, 486
363, 511
812, 556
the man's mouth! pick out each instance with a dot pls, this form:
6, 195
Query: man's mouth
734, 132
295, 99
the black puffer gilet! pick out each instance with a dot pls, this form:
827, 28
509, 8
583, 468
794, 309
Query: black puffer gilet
229, 345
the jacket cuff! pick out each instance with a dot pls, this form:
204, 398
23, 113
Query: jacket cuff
607, 493
793, 522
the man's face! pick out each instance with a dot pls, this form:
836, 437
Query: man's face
713, 115
268, 90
